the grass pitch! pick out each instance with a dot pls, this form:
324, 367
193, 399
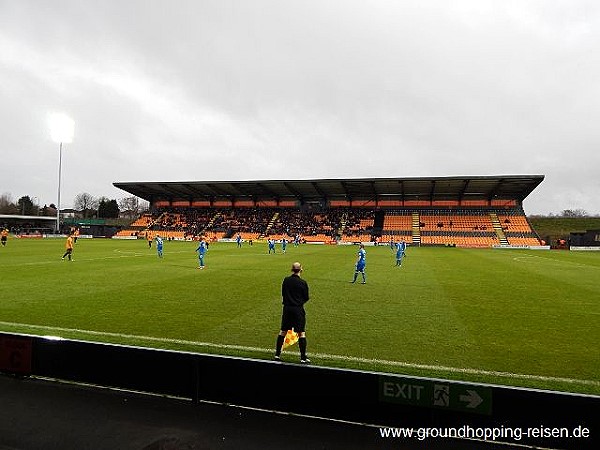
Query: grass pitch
515, 317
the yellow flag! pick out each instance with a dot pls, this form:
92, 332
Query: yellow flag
291, 337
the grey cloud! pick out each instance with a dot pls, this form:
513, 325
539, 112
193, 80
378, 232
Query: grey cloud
237, 89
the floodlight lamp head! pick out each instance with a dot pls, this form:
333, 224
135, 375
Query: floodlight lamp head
62, 128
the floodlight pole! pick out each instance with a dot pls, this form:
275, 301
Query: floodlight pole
59, 176
61, 129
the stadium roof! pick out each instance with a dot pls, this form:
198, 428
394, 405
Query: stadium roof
515, 187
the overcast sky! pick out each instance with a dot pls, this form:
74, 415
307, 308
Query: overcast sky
255, 89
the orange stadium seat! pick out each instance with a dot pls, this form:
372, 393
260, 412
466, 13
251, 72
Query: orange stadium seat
465, 226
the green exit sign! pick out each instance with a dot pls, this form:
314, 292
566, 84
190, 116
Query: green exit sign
436, 394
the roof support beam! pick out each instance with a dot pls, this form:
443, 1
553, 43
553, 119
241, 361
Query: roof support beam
373, 188
463, 189
294, 192
172, 191
268, 191
432, 191
494, 190
318, 189
216, 191
346, 191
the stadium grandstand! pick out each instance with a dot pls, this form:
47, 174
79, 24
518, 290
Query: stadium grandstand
479, 211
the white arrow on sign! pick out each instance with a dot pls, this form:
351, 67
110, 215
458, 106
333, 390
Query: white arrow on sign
473, 399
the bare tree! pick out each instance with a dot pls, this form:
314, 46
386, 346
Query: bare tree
86, 204
574, 213
6, 204
132, 207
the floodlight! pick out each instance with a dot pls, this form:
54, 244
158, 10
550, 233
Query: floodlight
62, 128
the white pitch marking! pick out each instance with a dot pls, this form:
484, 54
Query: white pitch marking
562, 263
526, 257
465, 370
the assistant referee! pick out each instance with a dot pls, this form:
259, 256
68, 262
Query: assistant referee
294, 291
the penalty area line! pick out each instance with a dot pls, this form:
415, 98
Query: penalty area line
323, 356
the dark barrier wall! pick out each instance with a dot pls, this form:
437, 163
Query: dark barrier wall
365, 397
